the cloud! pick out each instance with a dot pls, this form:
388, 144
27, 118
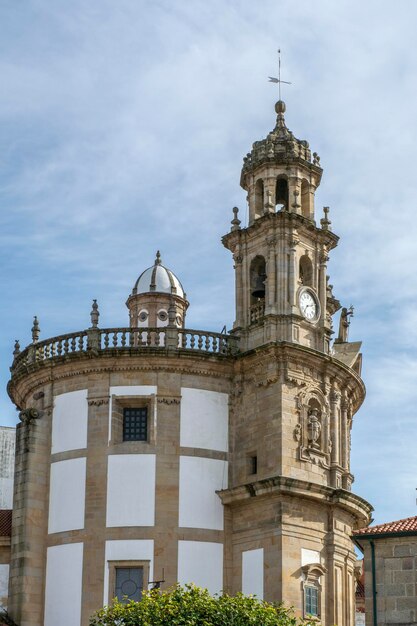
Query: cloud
122, 130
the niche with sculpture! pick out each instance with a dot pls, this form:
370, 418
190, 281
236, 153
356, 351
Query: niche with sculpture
312, 432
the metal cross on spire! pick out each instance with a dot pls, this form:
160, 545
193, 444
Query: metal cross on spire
278, 80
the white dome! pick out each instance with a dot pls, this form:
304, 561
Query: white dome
158, 279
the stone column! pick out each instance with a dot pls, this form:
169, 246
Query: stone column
335, 435
30, 512
271, 276
245, 289
167, 479
292, 270
237, 257
323, 259
95, 494
345, 431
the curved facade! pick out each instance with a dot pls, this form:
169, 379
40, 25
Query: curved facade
155, 454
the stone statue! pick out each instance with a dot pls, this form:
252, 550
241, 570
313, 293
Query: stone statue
313, 428
344, 324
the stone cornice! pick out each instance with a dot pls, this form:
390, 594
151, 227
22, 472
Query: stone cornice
359, 508
289, 355
180, 361
276, 223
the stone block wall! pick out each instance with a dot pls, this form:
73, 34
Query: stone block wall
396, 580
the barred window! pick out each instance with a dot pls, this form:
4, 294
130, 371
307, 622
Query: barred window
135, 424
311, 595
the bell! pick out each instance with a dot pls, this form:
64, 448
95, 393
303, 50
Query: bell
259, 289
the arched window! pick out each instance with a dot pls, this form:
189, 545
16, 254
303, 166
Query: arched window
257, 279
305, 198
259, 197
281, 194
306, 271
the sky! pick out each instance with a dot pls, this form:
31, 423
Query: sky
122, 131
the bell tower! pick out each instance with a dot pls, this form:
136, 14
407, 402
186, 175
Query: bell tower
281, 257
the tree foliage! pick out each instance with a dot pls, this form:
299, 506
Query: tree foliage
193, 606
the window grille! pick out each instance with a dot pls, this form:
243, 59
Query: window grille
135, 424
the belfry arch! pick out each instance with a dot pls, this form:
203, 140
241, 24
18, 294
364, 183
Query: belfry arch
281, 193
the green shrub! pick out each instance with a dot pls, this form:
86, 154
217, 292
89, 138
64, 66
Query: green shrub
192, 606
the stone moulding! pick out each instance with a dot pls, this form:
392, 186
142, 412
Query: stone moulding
281, 485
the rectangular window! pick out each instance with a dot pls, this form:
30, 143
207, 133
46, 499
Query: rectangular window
135, 424
128, 583
311, 596
252, 464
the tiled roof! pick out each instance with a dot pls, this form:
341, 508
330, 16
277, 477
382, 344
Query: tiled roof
403, 525
5, 522
360, 590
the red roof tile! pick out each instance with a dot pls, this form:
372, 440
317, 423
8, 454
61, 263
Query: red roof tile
6, 522
360, 590
403, 525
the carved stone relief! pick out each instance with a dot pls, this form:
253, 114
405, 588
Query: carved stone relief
313, 428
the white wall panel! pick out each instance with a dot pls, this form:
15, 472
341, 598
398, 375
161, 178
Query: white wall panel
253, 573
131, 490
4, 585
126, 550
201, 563
67, 495
64, 575
204, 419
309, 556
199, 505
129, 390
6, 493
69, 421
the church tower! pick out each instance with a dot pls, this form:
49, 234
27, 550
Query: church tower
289, 498
281, 258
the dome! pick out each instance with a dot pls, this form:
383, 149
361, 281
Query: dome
158, 279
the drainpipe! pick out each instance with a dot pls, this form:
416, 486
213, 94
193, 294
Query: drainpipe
374, 607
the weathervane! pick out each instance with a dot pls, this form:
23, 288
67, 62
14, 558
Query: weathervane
278, 80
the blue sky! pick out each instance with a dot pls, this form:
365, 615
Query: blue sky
122, 130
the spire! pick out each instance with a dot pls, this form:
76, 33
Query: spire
35, 330
158, 258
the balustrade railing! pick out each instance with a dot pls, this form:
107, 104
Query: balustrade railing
257, 311
96, 340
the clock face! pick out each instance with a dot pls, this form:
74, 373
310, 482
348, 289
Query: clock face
308, 305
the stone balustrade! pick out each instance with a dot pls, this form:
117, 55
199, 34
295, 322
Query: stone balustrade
109, 340
257, 312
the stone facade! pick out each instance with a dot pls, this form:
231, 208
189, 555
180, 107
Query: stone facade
390, 561
243, 480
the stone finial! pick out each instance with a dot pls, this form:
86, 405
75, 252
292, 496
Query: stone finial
158, 258
235, 221
35, 330
325, 222
94, 314
316, 159
16, 350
